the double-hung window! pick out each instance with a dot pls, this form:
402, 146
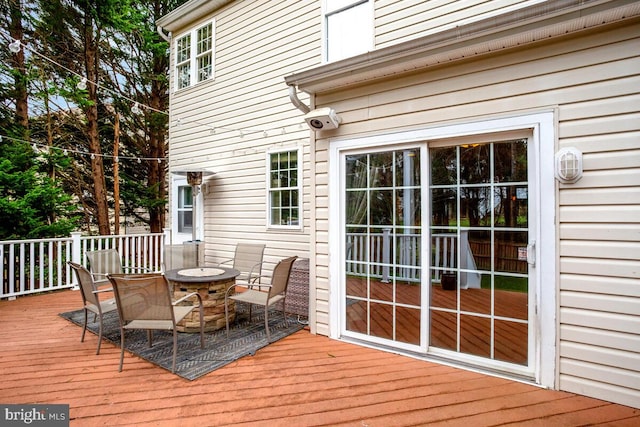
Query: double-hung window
285, 189
195, 56
348, 28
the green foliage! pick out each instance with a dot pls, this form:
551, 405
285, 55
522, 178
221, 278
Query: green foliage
31, 204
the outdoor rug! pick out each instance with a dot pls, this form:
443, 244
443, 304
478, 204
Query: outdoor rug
192, 362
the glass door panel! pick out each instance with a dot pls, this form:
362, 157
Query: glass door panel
382, 213
479, 301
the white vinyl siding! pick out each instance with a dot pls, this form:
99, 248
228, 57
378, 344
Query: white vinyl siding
590, 82
398, 21
229, 125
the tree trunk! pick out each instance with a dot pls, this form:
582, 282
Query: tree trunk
97, 165
20, 82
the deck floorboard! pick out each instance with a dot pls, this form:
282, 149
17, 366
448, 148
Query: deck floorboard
302, 380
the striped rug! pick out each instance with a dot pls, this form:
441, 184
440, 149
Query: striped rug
192, 362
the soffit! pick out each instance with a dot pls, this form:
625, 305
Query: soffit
189, 12
543, 21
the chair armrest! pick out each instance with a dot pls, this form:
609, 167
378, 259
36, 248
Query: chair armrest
225, 262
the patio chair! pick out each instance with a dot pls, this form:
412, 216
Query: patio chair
247, 260
91, 300
144, 302
177, 256
108, 261
276, 291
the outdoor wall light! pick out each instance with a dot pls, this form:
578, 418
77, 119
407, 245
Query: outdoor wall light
568, 165
322, 119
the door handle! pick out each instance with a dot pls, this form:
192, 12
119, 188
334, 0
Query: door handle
531, 254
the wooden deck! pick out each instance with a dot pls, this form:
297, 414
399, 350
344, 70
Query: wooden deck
301, 380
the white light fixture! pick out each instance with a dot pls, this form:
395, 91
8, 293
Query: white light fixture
14, 46
322, 119
568, 165
82, 84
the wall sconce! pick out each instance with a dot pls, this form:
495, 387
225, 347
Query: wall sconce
568, 165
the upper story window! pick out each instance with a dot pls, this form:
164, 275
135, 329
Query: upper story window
285, 189
348, 27
194, 56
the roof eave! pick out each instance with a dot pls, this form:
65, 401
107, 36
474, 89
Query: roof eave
546, 20
189, 12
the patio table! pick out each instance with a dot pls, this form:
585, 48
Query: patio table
211, 283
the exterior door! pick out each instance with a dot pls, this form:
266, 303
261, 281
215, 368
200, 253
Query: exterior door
383, 232
467, 296
481, 253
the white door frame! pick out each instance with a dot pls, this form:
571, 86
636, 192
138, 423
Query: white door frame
542, 126
177, 237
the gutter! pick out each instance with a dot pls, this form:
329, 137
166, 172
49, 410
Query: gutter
293, 96
166, 37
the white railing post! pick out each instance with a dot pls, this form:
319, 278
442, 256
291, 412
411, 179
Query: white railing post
386, 254
76, 249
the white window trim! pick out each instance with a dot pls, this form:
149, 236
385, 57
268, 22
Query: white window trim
325, 33
268, 188
193, 58
544, 132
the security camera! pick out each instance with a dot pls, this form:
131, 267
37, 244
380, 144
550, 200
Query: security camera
322, 119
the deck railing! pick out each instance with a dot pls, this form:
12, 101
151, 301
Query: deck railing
373, 254
40, 265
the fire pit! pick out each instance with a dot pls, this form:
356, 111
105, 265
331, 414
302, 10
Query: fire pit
211, 283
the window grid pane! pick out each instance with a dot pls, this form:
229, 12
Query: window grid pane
284, 188
194, 57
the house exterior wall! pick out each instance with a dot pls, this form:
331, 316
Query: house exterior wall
228, 124
591, 83
401, 21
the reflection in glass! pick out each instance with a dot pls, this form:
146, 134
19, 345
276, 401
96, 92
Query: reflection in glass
356, 313
381, 166
382, 212
406, 321
511, 206
475, 335
511, 297
381, 322
510, 161
475, 301
443, 207
510, 251
408, 292
356, 207
381, 207
443, 166
475, 206
479, 231
407, 203
475, 164
444, 330
511, 342
407, 167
